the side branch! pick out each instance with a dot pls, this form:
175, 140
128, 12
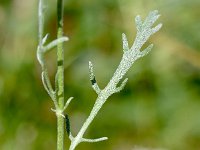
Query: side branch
94, 140
47, 85
121, 87
92, 79
130, 55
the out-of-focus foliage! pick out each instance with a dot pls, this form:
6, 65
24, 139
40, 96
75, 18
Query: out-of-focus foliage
159, 107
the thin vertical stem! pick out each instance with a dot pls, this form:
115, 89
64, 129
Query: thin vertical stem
60, 76
40, 21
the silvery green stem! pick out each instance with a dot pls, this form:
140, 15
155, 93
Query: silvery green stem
40, 21
60, 76
130, 55
57, 94
79, 138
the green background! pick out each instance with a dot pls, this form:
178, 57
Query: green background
160, 105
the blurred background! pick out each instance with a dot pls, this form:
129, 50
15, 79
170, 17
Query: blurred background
160, 105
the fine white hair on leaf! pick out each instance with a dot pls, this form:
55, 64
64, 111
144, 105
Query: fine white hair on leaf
138, 22
146, 50
125, 42
157, 28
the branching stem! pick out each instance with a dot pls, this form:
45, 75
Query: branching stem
57, 93
130, 55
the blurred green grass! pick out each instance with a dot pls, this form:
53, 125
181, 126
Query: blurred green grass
159, 108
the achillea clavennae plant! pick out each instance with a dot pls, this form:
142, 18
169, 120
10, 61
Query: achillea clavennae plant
130, 55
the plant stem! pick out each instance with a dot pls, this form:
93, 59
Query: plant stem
97, 106
60, 76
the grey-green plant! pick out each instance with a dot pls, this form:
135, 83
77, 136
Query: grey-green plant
130, 54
